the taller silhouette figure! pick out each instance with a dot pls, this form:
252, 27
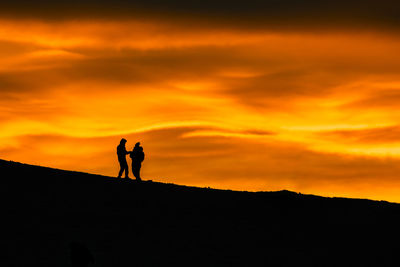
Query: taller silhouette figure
121, 152
137, 156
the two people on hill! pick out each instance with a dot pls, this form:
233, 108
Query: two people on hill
137, 156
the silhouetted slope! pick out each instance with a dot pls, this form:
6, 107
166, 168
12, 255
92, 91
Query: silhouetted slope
124, 223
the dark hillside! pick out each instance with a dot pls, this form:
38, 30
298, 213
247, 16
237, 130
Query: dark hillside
125, 223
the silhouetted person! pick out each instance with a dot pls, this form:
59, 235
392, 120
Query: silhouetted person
80, 255
137, 156
121, 152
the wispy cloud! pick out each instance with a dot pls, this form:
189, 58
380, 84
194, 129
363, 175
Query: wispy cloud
219, 104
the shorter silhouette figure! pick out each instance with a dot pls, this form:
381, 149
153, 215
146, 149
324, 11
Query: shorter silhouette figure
121, 152
80, 255
137, 156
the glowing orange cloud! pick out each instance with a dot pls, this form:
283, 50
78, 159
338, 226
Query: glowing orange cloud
229, 108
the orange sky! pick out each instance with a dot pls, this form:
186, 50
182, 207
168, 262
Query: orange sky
262, 109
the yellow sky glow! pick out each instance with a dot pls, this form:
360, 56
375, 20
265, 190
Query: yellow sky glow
255, 110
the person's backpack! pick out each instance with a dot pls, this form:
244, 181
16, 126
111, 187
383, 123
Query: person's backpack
141, 156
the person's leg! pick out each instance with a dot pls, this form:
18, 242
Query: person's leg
126, 169
121, 169
138, 172
134, 170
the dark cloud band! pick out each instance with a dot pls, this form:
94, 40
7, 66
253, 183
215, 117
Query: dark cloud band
289, 14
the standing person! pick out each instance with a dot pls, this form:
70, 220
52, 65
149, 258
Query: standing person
121, 152
137, 156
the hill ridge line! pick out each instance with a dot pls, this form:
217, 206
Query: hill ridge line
109, 178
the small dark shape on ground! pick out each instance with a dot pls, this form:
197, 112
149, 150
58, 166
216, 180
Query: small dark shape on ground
80, 255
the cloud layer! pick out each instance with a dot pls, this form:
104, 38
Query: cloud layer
221, 103
288, 14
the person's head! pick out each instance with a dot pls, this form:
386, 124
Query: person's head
123, 141
137, 144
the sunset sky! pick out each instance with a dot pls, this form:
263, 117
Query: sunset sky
246, 95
